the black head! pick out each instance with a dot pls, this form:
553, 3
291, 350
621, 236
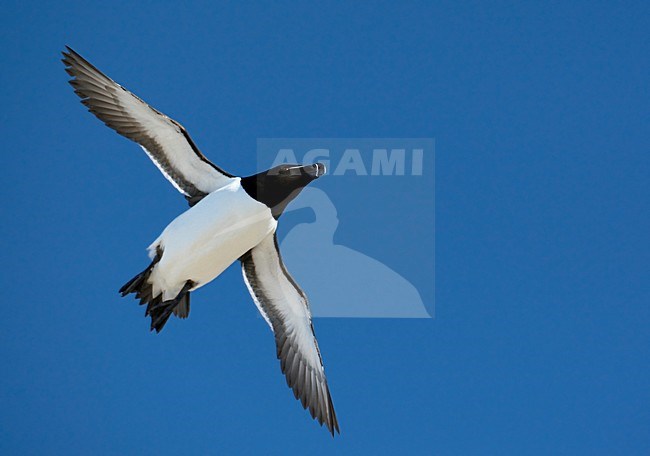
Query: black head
277, 186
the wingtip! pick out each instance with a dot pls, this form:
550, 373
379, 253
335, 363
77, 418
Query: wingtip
69, 56
334, 429
332, 422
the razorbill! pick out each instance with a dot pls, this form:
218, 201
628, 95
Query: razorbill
230, 218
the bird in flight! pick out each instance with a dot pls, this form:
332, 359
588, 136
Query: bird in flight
230, 218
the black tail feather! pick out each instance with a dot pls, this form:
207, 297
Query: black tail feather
138, 284
182, 310
160, 314
134, 284
157, 309
160, 311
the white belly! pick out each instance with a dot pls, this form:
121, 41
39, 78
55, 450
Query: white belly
202, 242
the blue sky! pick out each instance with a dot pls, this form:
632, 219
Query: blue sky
540, 341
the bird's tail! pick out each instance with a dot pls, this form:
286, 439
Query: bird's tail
157, 309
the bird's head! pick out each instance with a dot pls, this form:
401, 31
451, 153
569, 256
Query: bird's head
277, 186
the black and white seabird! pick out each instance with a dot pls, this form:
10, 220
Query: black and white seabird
230, 218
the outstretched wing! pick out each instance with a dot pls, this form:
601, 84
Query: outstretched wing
285, 308
164, 140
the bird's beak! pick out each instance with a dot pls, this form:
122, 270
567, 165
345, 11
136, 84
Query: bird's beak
315, 171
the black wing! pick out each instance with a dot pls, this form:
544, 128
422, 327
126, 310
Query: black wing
164, 140
286, 309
